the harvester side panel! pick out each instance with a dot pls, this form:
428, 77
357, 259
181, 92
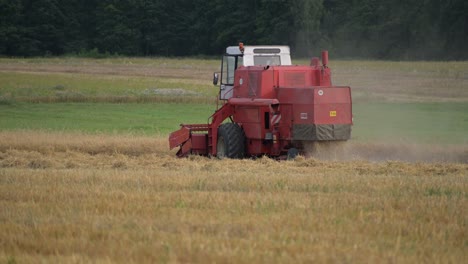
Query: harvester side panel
303, 76
247, 114
199, 144
318, 113
332, 105
285, 125
251, 115
252, 120
255, 82
295, 77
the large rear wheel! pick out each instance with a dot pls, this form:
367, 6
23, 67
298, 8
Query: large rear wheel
231, 141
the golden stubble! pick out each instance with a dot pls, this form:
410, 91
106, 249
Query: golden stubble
77, 198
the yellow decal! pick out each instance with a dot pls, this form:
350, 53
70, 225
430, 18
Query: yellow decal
332, 113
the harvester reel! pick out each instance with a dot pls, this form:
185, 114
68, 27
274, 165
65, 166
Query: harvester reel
231, 141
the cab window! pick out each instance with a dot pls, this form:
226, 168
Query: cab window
267, 60
229, 66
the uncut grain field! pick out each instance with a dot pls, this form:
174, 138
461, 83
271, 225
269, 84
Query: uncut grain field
396, 193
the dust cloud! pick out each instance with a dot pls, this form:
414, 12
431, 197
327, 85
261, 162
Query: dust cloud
377, 152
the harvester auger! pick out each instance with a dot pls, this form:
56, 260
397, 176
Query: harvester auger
274, 108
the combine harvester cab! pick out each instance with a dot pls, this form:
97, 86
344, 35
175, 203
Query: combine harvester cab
273, 107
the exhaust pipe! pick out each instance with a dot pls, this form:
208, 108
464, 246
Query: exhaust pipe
324, 58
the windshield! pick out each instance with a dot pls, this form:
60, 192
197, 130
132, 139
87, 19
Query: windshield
267, 60
229, 65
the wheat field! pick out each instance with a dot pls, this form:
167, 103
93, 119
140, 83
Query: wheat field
84, 196
80, 198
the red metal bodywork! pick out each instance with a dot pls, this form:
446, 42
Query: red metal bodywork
277, 107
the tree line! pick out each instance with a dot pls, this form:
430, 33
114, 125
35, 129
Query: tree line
377, 29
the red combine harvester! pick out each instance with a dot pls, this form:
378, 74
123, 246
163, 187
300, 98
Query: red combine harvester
273, 107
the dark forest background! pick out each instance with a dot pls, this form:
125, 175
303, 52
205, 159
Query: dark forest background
378, 29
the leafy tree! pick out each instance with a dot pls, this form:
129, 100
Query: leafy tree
10, 29
454, 28
390, 29
307, 16
235, 22
148, 20
41, 28
115, 31
80, 24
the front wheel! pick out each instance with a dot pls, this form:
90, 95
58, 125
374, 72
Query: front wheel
231, 141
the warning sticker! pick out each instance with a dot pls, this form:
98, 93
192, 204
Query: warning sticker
332, 113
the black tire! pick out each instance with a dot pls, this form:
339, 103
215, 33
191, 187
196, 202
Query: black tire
292, 153
231, 141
